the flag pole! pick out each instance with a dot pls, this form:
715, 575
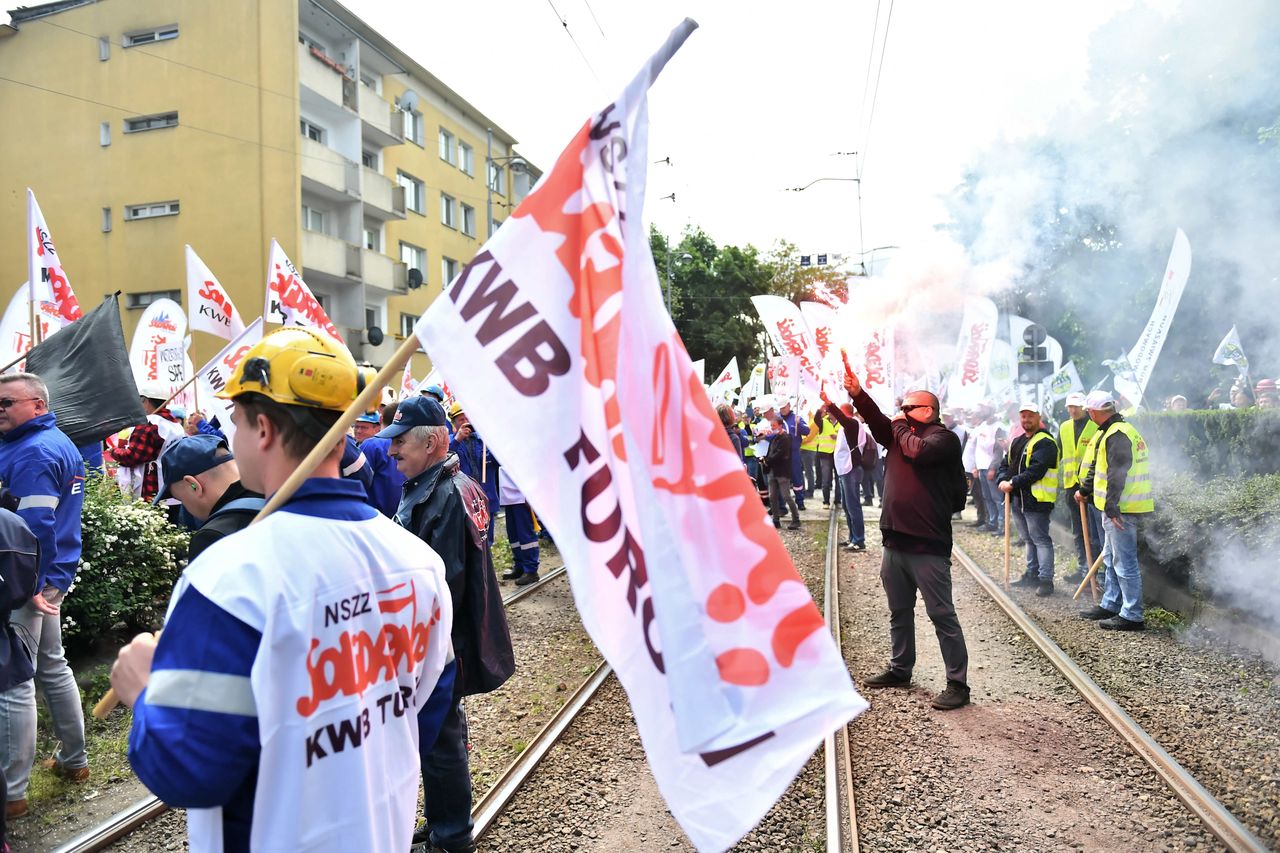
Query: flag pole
1007, 514
1088, 549
362, 404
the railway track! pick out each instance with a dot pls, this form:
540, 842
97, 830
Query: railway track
124, 823
1213, 814
842, 817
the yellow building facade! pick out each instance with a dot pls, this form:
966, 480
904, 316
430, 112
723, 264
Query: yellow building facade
144, 125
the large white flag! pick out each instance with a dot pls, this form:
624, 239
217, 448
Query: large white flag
289, 301
1004, 372
218, 371
755, 383
1231, 352
46, 280
968, 382
1065, 381
211, 308
15, 326
784, 376
407, 385
791, 337
162, 323
1142, 358
727, 382
732, 676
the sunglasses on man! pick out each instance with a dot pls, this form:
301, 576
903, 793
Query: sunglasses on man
909, 407
10, 402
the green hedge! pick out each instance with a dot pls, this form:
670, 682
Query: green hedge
131, 557
1212, 443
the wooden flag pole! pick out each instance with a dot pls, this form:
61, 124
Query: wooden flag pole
1088, 550
1093, 570
363, 402
14, 362
1007, 519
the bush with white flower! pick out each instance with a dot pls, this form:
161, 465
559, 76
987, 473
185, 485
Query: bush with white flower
130, 558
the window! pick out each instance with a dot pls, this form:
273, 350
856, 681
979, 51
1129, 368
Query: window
468, 220
407, 322
497, 179
415, 192
373, 238
448, 151
104, 48
448, 211
142, 300
414, 257
449, 270
372, 81
155, 122
466, 158
104, 134
313, 219
311, 131
371, 160
494, 225
373, 316
151, 210
106, 219
149, 36
415, 128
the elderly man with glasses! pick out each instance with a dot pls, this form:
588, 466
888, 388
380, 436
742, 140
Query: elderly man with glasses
924, 484
44, 470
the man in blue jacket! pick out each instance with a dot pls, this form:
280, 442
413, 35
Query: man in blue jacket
44, 470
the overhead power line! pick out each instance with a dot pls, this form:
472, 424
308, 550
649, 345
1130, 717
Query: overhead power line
866, 137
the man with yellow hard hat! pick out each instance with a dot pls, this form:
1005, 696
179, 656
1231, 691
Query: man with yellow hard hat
305, 659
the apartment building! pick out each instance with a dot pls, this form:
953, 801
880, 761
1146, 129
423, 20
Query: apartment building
144, 125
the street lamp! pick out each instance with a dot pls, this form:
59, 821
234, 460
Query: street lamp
684, 258
518, 165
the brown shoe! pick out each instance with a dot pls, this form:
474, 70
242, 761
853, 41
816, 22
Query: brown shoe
15, 808
71, 774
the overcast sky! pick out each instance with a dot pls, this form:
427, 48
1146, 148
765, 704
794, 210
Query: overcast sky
763, 95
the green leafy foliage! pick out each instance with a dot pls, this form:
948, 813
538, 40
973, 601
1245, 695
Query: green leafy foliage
1212, 443
131, 557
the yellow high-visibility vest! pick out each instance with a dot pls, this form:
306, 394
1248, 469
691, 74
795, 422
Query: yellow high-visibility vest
1045, 489
810, 440
1137, 495
1072, 445
827, 438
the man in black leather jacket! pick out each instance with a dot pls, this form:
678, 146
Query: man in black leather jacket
19, 566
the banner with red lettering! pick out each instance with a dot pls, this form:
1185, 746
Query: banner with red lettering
289, 301
219, 369
407, 386
784, 376
163, 322
211, 308
968, 385
679, 577
15, 326
46, 280
727, 382
791, 336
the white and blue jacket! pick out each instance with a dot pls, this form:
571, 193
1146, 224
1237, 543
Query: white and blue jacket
304, 661
45, 471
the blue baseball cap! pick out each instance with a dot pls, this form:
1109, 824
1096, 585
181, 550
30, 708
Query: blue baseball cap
368, 418
435, 391
187, 457
414, 412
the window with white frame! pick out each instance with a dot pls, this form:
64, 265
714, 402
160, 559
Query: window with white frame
373, 238
142, 300
448, 148
466, 158
310, 130
468, 220
371, 160
373, 316
497, 179
313, 219
414, 257
415, 128
415, 192
448, 211
139, 37
407, 322
448, 271
155, 122
151, 210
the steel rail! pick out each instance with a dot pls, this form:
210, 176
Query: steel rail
1215, 816
836, 755
129, 820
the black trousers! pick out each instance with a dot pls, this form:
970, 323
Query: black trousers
902, 574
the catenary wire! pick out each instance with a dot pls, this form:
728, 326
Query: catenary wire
866, 83
567, 32
871, 116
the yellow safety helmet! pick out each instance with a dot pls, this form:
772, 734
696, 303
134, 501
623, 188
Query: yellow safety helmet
299, 367
455, 410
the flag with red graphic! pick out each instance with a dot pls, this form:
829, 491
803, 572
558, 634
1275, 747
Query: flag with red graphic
289, 301
407, 385
210, 309
727, 382
46, 280
559, 348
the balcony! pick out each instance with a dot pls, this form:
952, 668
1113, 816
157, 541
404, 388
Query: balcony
327, 173
324, 77
333, 258
382, 198
382, 123
384, 273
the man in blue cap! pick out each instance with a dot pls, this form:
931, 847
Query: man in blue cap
387, 482
447, 509
199, 472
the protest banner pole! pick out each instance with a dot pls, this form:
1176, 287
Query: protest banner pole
13, 363
1007, 514
1093, 570
363, 402
1088, 550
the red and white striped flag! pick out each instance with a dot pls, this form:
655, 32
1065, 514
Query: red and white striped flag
559, 348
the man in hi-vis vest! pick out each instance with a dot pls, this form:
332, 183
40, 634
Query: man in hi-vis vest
1118, 481
1029, 473
304, 659
1074, 435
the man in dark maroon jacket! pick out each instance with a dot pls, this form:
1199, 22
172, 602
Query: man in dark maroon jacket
924, 485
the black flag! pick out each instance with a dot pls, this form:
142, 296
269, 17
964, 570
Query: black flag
86, 366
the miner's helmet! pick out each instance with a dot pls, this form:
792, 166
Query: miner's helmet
299, 367
455, 410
